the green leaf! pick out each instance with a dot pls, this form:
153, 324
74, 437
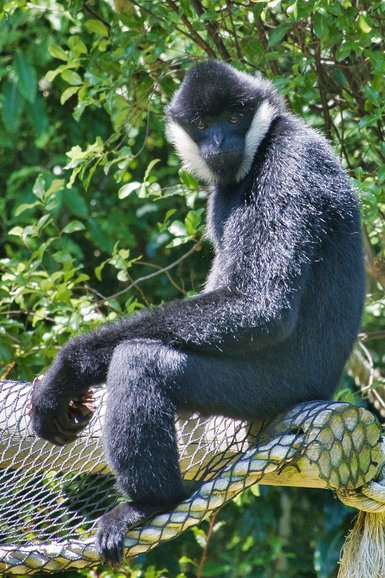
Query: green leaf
151, 165
74, 226
363, 24
369, 205
38, 116
76, 204
169, 214
369, 120
187, 179
293, 10
77, 46
71, 77
39, 187
99, 269
57, 52
12, 106
55, 186
321, 27
126, 190
86, 176
16, 231
75, 154
43, 221
381, 174
122, 276
70, 91
62, 257
193, 221
278, 34
52, 74
6, 353
97, 27
177, 229
344, 50
26, 207
255, 490
26, 76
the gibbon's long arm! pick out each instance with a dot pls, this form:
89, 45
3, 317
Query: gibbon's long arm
256, 308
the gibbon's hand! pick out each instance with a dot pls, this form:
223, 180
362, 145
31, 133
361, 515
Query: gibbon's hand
57, 421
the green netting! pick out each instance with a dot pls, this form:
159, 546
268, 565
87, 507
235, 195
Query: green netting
51, 497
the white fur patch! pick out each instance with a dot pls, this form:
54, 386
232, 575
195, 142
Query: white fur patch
188, 151
254, 136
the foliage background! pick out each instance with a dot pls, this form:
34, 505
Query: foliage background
97, 220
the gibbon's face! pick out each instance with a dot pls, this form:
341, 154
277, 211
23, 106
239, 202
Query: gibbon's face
217, 120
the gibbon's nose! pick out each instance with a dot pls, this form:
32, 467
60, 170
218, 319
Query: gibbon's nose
218, 137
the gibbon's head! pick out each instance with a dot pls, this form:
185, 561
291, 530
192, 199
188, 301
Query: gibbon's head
218, 118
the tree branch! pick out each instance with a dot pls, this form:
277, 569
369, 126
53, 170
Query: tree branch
207, 541
236, 41
321, 84
194, 34
372, 336
375, 267
265, 43
194, 38
212, 29
164, 270
89, 9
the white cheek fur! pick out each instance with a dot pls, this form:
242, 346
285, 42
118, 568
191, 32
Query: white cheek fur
188, 150
254, 136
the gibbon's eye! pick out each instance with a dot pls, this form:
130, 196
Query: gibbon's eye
233, 119
201, 125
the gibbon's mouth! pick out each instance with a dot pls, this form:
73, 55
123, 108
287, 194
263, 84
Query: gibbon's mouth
222, 153
225, 164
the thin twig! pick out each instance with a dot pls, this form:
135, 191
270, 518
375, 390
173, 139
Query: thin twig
212, 29
208, 538
237, 45
321, 84
151, 13
162, 271
193, 33
375, 267
27, 314
265, 43
169, 277
371, 336
7, 371
96, 15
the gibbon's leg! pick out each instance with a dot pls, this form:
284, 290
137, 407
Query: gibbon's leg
139, 429
139, 439
148, 382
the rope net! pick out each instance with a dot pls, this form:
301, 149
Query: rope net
52, 497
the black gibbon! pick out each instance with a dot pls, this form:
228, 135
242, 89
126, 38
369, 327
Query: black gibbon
275, 322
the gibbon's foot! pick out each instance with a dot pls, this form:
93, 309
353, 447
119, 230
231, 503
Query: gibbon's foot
113, 526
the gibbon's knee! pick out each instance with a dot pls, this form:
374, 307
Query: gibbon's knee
139, 358
133, 360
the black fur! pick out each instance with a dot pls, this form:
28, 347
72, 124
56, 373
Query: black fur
273, 327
